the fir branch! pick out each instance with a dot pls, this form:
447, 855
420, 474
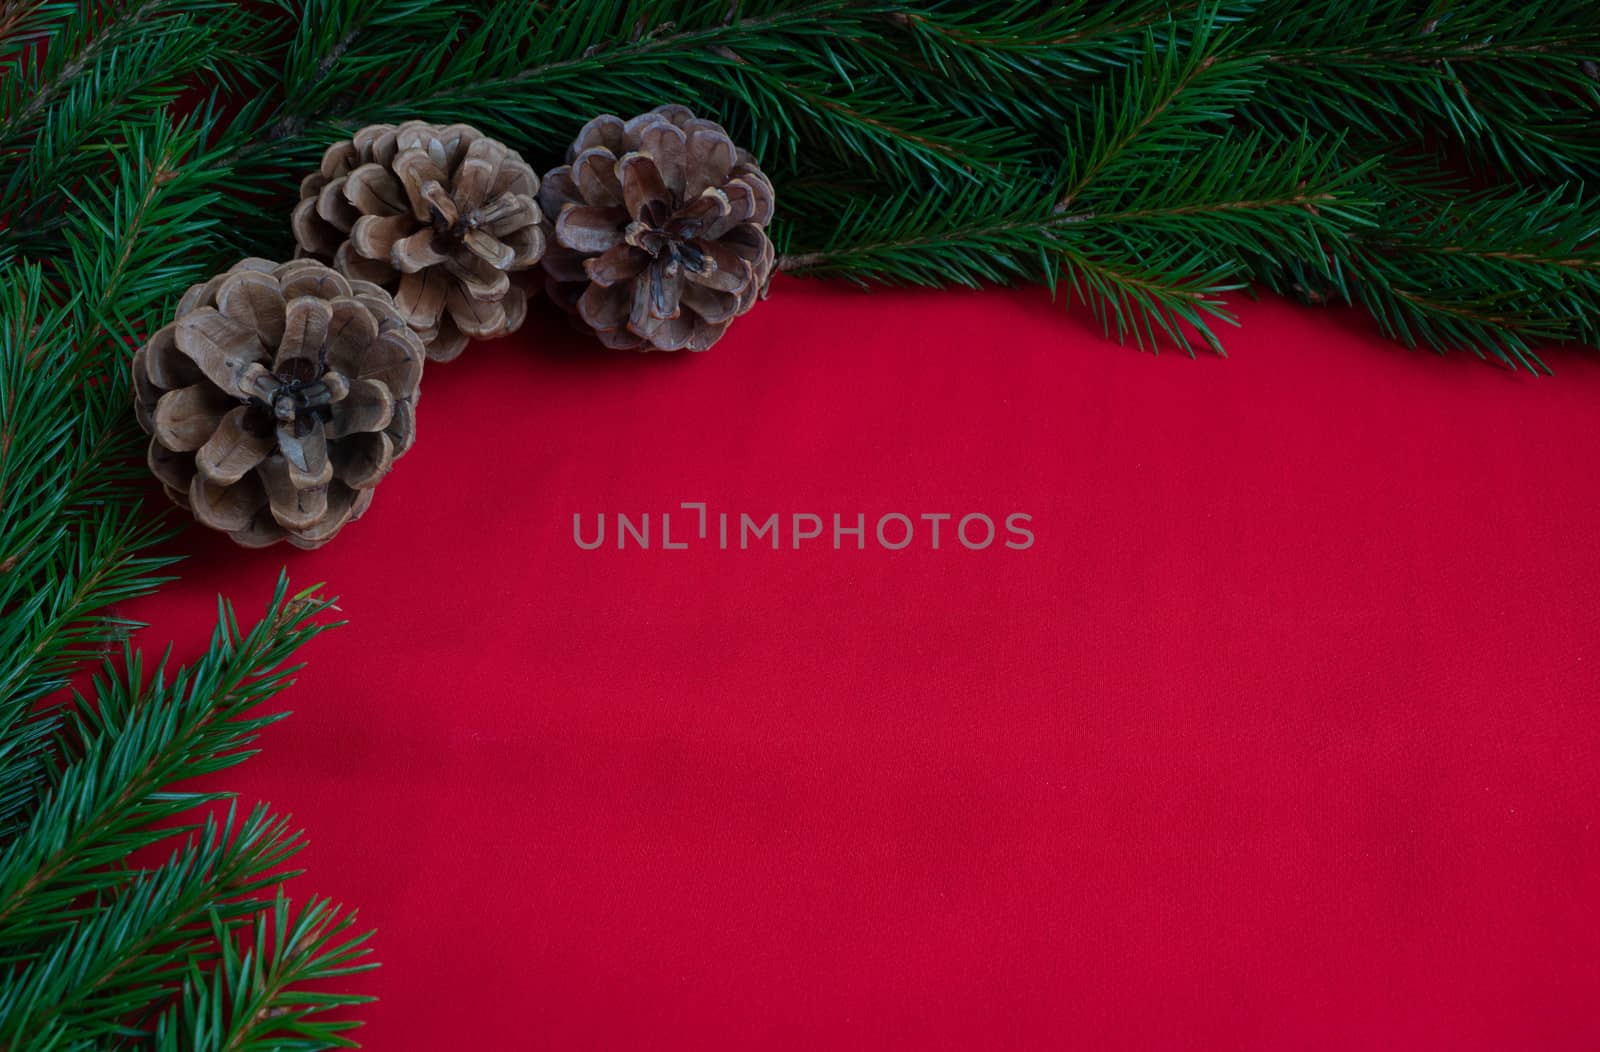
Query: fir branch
783, 64
89, 945
115, 961
64, 97
71, 537
1170, 98
1507, 84
1428, 269
140, 739
1021, 42
1150, 244
65, 553
1165, 297
948, 98
255, 1000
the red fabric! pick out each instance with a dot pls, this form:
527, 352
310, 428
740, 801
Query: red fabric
1281, 735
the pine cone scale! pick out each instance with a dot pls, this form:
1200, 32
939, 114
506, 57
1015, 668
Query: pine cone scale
488, 248
713, 306
226, 508
165, 367
643, 184
253, 300
388, 361
376, 141
175, 470
233, 449
420, 298
510, 213
415, 170
368, 407
440, 206
667, 147
528, 243
368, 457
373, 271
476, 177
375, 236
673, 334
351, 330
618, 263
416, 252
402, 429
307, 322
710, 162
304, 277
595, 175
305, 451
590, 228
474, 317
664, 285
187, 417
223, 350
372, 190
723, 269
606, 307
293, 506
343, 505
605, 130
335, 207
476, 277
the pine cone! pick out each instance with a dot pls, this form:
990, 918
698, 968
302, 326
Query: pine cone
278, 399
659, 230
440, 217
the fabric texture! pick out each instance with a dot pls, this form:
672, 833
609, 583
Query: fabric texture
1281, 734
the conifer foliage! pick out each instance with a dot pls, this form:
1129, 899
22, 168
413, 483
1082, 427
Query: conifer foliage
1424, 162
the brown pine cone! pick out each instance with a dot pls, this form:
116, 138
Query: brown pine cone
278, 399
442, 218
659, 230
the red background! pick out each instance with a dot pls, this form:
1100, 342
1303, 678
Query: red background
1282, 734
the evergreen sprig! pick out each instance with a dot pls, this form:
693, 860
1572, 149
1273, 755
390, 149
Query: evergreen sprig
100, 939
116, 888
865, 112
255, 997
933, 99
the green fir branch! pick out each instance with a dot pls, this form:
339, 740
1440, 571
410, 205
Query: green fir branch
1511, 85
92, 68
88, 942
92, 946
255, 998
71, 539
